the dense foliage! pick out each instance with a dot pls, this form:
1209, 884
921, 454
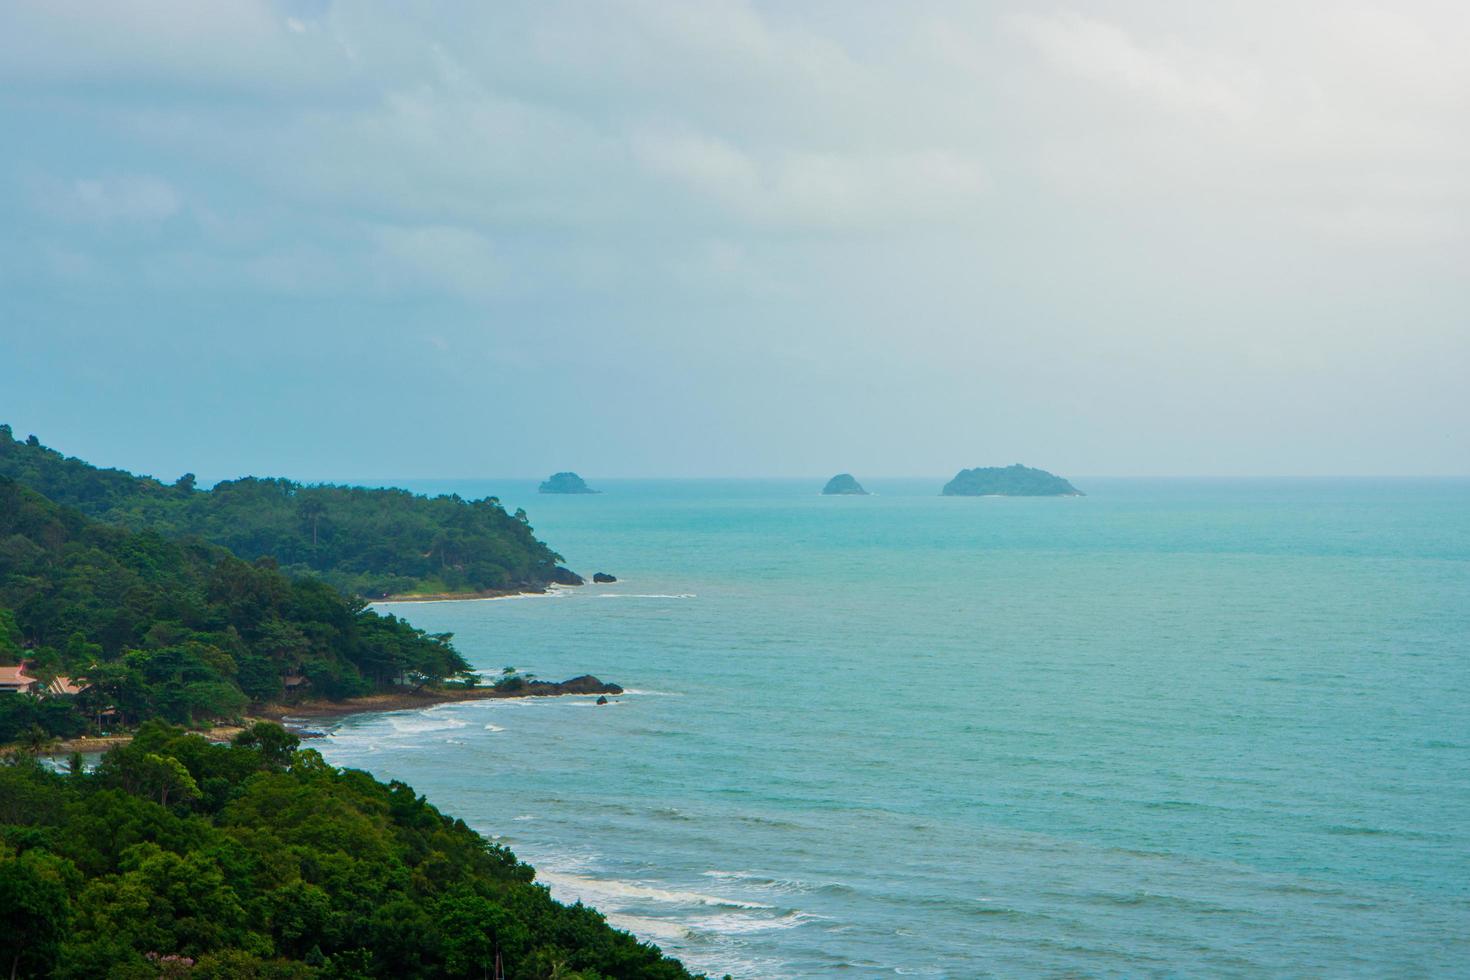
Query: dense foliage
179, 858
1008, 481
178, 629
366, 542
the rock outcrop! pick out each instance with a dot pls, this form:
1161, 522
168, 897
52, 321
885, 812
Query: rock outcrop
565, 576
602, 578
843, 484
566, 482
585, 684
1008, 481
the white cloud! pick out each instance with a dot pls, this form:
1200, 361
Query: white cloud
1173, 75
111, 199
439, 258
801, 187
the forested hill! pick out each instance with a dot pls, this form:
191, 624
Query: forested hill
177, 858
367, 542
178, 629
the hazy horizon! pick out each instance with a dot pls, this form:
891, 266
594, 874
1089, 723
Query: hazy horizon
302, 238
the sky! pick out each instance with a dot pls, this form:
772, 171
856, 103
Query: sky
633, 238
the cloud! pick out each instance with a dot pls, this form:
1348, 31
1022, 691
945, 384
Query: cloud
1174, 76
106, 200
438, 258
1020, 212
823, 189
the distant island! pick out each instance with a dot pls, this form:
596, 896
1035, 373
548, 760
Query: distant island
565, 483
1008, 481
843, 484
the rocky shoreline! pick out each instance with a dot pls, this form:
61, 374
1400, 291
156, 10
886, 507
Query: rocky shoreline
460, 596
405, 699
561, 578
410, 698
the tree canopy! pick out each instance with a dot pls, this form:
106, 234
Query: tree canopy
181, 630
176, 857
369, 542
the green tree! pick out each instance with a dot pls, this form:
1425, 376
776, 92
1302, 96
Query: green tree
34, 911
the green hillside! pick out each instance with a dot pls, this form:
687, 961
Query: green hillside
177, 858
369, 542
181, 630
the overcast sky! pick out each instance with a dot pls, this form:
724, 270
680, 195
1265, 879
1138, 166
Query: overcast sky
358, 241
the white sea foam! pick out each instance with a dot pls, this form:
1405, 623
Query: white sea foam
648, 693
493, 728
731, 924
417, 724
615, 893
555, 591
649, 928
646, 595
762, 881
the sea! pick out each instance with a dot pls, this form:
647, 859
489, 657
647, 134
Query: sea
1172, 728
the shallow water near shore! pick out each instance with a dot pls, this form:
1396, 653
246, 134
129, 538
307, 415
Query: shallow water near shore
1174, 727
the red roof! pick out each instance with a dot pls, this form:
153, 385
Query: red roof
15, 677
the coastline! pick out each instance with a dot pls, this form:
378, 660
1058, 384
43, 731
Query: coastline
405, 700
401, 700
461, 596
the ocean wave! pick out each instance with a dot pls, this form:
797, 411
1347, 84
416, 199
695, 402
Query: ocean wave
646, 595
734, 925
1356, 830
612, 892
657, 694
771, 821
417, 724
1137, 899
782, 885
645, 927
493, 728
552, 592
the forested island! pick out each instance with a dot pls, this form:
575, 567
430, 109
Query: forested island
1008, 481
369, 542
256, 859
565, 482
844, 485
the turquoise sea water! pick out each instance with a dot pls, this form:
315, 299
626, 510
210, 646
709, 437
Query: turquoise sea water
1171, 728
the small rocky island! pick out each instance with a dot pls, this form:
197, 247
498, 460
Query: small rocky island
843, 484
565, 483
1008, 481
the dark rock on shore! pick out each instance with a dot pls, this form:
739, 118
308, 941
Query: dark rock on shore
602, 578
602, 699
565, 482
586, 684
1008, 481
843, 484
418, 697
565, 576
